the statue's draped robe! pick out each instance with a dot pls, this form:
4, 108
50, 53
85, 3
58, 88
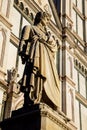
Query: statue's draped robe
40, 54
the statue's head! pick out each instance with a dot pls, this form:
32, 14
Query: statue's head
43, 17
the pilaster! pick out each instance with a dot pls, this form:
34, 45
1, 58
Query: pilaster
68, 84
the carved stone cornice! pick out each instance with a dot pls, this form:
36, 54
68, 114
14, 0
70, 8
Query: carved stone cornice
5, 21
57, 117
51, 25
57, 32
77, 37
81, 98
77, 10
33, 5
81, 56
69, 80
80, 66
14, 39
69, 19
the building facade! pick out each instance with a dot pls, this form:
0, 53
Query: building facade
69, 27
73, 16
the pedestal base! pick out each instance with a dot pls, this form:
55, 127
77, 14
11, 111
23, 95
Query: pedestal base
36, 117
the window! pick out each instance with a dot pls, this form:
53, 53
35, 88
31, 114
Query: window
16, 18
20, 68
76, 78
83, 117
80, 116
18, 22
69, 67
4, 6
12, 55
25, 22
82, 85
74, 20
58, 5
77, 114
78, 24
78, 18
86, 30
79, 4
70, 106
2, 45
69, 7
80, 81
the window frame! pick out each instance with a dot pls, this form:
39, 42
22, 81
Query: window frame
78, 83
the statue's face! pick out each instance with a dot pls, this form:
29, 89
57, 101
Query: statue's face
45, 20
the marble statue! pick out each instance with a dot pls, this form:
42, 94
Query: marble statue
37, 48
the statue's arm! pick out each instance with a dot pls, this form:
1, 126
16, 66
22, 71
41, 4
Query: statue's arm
24, 37
23, 43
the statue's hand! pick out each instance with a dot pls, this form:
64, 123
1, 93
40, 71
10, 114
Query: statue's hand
24, 58
35, 38
48, 36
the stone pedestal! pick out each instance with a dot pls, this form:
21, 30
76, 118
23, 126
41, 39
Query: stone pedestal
37, 117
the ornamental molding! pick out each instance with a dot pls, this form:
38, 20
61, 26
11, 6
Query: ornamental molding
5, 21
24, 7
14, 39
58, 117
69, 80
80, 66
81, 98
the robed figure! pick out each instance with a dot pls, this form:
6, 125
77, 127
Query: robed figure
37, 48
